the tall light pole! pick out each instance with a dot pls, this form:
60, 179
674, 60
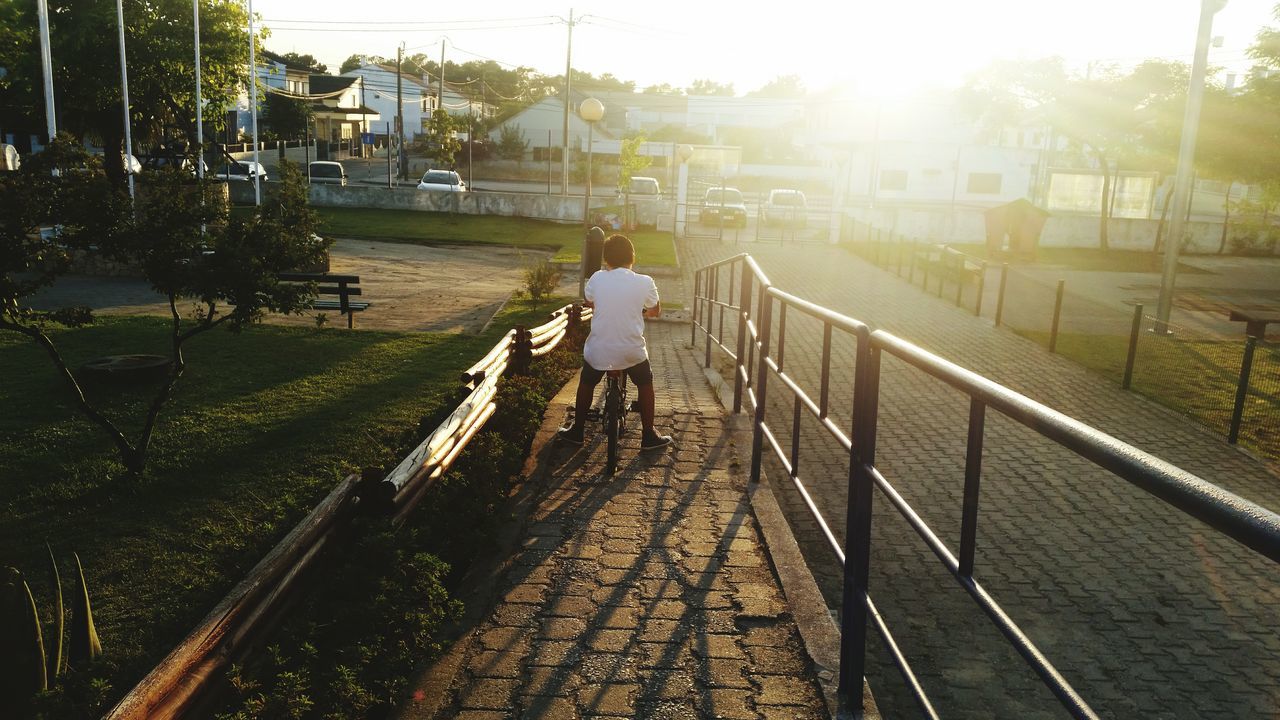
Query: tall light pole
46, 63
1186, 162
195, 12
253, 107
568, 85
124, 92
591, 111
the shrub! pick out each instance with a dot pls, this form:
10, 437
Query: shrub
390, 587
541, 279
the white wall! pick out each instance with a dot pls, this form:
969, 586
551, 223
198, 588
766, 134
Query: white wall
380, 95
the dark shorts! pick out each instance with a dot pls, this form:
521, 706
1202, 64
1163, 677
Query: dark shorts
640, 374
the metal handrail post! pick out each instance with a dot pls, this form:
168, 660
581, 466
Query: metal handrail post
1134, 333
762, 380
1057, 316
854, 608
1242, 389
972, 481
1004, 280
697, 300
982, 287
710, 321
744, 309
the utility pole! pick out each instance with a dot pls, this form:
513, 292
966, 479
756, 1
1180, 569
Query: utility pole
442, 42
568, 86
400, 161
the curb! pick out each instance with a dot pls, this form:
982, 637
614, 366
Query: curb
428, 691
818, 629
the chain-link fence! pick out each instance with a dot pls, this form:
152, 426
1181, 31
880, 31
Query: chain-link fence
1196, 368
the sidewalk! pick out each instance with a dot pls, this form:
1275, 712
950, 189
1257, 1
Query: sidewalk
648, 596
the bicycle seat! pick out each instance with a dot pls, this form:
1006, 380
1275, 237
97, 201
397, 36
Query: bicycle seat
615, 373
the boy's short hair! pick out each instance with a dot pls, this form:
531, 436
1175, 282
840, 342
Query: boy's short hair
618, 251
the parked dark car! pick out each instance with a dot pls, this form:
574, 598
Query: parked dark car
724, 206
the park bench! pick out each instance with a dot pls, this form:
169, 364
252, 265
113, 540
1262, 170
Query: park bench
344, 286
960, 267
929, 259
950, 265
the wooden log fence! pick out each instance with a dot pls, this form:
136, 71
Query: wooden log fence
179, 682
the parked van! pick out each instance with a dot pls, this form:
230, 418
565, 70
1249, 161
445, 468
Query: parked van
326, 172
644, 188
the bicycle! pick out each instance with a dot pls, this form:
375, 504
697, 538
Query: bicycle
614, 414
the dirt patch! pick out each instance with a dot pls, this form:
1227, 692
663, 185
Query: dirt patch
412, 287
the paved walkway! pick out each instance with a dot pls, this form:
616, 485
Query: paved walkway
648, 596
1149, 614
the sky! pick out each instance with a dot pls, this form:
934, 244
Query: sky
875, 49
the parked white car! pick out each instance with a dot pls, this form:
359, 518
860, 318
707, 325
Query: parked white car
785, 207
643, 188
443, 181
326, 172
135, 165
242, 170
9, 159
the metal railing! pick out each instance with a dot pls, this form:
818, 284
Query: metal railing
240, 620
750, 302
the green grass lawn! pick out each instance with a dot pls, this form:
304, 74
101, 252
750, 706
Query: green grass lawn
1196, 378
263, 424
652, 247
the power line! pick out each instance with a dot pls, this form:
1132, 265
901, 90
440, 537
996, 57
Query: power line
409, 22
405, 28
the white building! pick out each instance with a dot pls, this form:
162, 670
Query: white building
379, 84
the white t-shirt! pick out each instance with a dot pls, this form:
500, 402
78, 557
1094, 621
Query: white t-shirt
616, 341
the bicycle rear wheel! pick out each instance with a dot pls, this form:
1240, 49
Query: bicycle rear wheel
612, 425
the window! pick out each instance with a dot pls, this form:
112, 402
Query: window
893, 179
984, 183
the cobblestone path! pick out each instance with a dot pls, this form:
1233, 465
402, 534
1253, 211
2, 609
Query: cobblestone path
1148, 613
648, 596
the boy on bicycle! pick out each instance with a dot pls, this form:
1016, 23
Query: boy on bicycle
620, 299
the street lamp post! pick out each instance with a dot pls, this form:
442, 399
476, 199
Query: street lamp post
1186, 162
591, 110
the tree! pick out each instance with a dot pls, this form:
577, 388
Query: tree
307, 61
442, 131
710, 87
630, 161
357, 61
782, 87
289, 118
87, 69
1105, 115
181, 239
511, 143
663, 89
